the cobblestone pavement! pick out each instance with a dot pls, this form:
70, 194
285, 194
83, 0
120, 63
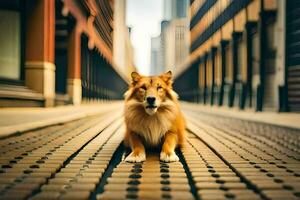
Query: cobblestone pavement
224, 158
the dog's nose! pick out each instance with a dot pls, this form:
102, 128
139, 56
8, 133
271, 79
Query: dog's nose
150, 100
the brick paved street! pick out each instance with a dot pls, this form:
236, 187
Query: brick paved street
68, 68
224, 158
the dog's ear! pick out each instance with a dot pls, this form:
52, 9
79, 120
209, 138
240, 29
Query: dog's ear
167, 77
127, 95
135, 77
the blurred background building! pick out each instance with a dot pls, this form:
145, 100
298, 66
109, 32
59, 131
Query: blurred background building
176, 43
156, 58
123, 51
243, 54
174, 37
174, 9
56, 52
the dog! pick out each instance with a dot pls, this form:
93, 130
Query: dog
153, 117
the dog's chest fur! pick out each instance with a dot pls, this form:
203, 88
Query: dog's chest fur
151, 128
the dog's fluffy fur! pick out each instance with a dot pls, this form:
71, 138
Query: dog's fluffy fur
153, 126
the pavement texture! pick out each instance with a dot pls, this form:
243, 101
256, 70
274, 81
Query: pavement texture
224, 158
285, 119
18, 120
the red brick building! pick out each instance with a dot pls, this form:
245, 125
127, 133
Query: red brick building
57, 52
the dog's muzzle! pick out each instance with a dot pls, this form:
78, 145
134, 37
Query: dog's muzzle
151, 106
151, 102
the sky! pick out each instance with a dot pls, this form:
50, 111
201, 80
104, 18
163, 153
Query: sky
144, 17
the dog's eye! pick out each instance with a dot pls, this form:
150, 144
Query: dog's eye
159, 88
143, 88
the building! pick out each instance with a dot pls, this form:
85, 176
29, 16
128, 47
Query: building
174, 36
158, 47
57, 52
123, 54
156, 65
174, 9
176, 43
245, 53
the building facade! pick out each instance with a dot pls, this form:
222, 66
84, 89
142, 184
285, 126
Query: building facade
175, 9
176, 43
156, 65
177, 35
59, 52
245, 55
158, 50
123, 54
174, 36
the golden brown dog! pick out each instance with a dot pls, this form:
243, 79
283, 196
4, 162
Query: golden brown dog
153, 118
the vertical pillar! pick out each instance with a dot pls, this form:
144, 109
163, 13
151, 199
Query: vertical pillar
282, 63
40, 37
74, 69
232, 91
262, 46
248, 87
205, 77
223, 63
197, 76
212, 92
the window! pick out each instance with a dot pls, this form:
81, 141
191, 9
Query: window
10, 40
10, 44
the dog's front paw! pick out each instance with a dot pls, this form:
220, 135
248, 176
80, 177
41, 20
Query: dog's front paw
172, 157
133, 158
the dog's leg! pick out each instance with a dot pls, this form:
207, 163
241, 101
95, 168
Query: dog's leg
138, 150
168, 149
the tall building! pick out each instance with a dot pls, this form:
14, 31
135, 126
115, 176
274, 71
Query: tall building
123, 54
174, 9
156, 62
158, 47
167, 9
176, 43
174, 36
163, 43
245, 54
58, 52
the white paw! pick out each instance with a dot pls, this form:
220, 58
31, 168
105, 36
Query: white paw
135, 158
169, 158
